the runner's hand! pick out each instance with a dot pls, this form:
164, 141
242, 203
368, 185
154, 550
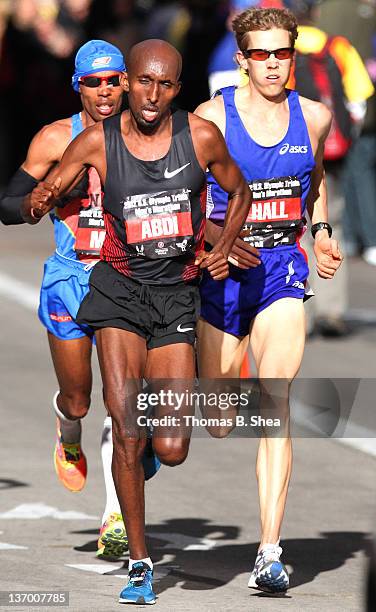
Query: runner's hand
242, 254
328, 256
43, 197
215, 262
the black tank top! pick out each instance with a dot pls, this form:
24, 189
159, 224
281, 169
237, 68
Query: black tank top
154, 210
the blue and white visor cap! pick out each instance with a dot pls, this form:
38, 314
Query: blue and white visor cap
96, 56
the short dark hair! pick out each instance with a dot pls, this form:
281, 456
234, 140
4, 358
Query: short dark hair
255, 19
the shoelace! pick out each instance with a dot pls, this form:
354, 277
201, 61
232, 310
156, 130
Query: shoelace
137, 575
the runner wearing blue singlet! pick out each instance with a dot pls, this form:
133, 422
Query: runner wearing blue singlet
79, 234
277, 139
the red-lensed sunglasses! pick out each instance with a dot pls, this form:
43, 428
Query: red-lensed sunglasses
96, 81
260, 55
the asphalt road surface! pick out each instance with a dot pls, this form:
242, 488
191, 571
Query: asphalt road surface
202, 517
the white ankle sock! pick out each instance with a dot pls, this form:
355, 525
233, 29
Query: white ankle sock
148, 561
70, 429
112, 502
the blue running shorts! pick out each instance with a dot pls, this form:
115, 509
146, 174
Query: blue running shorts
64, 286
232, 304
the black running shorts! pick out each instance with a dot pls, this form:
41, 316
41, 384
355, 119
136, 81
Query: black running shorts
162, 315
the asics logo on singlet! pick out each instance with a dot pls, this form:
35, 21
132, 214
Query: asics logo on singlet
169, 175
286, 148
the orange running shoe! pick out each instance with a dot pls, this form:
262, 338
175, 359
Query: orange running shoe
70, 463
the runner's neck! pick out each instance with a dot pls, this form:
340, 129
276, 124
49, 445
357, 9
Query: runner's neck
144, 146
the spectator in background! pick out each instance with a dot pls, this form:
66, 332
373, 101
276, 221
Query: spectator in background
205, 31
371, 581
5, 9
326, 312
356, 19
116, 21
169, 21
5, 127
223, 70
38, 49
60, 26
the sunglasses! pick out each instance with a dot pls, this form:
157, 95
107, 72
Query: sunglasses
96, 81
260, 55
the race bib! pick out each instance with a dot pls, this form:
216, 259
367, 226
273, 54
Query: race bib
90, 232
275, 215
159, 224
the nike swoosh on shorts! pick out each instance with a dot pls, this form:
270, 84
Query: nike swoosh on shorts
169, 175
183, 329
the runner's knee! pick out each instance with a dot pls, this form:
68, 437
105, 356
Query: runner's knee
75, 404
171, 451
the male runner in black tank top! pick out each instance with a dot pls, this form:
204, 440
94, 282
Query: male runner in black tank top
143, 299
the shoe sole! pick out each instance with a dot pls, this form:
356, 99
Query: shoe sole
277, 583
112, 548
140, 602
61, 480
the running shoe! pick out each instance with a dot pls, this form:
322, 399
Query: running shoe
113, 541
269, 574
139, 589
70, 463
150, 460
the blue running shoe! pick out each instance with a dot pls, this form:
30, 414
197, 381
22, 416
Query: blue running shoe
269, 574
139, 589
150, 460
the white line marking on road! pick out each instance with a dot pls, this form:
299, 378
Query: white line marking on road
6, 546
354, 435
41, 510
101, 569
160, 571
366, 445
24, 294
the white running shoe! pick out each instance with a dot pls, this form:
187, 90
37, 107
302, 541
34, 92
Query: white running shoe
269, 574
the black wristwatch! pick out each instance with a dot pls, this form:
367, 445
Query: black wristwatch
316, 227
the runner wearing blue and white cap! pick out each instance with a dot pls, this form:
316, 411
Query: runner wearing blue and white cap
79, 233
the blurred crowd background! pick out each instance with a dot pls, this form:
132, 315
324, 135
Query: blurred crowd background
39, 39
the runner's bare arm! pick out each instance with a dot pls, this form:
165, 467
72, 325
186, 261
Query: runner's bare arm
86, 150
242, 254
326, 249
45, 150
215, 156
213, 110
319, 120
